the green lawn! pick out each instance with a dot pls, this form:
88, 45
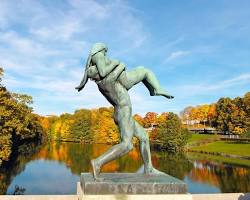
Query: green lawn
197, 138
228, 147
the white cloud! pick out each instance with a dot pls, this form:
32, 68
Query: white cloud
243, 78
210, 88
44, 45
46, 57
177, 54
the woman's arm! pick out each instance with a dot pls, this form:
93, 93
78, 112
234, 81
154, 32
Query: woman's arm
83, 82
93, 73
113, 76
104, 68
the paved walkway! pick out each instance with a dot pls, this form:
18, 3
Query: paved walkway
226, 196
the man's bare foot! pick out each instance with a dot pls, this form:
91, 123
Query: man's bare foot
153, 171
162, 92
149, 171
96, 171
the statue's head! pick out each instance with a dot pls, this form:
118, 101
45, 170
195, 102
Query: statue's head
98, 47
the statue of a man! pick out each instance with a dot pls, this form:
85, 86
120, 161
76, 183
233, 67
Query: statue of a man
114, 82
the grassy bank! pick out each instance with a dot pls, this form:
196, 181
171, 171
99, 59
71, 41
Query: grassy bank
197, 138
226, 147
209, 147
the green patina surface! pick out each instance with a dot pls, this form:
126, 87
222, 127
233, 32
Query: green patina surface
113, 82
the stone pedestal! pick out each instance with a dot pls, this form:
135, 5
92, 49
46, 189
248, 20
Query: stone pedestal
131, 183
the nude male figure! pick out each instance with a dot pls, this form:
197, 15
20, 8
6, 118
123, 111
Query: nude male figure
114, 82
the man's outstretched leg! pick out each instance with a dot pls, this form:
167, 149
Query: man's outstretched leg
126, 125
112, 154
142, 135
142, 74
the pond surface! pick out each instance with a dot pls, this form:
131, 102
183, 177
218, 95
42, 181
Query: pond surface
55, 168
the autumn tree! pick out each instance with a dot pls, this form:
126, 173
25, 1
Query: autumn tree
227, 115
211, 114
51, 130
246, 102
17, 122
150, 119
64, 126
194, 114
44, 121
1, 74
230, 116
202, 113
239, 116
162, 117
106, 131
186, 115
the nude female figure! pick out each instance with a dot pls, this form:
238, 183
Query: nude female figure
114, 82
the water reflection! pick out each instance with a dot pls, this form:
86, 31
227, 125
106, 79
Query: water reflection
54, 168
16, 164
176, 165
226, 177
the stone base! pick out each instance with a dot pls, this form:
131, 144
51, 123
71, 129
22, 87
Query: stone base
131, 183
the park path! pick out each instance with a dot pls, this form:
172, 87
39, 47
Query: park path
223, 196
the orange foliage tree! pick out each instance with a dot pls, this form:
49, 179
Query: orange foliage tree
150, 119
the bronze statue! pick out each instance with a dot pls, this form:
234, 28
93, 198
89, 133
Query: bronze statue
114, 82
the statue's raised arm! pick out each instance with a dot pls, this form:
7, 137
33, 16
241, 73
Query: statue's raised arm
104, 66
85, 76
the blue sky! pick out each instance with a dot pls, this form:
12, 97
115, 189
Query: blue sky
199, 49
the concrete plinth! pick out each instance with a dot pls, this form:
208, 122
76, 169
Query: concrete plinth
131, 183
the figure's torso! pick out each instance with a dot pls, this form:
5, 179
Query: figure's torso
113, 91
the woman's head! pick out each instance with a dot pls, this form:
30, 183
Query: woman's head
98, 47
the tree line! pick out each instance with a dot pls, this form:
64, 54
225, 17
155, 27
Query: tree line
97, 126
84, 125
230, 116
18, 124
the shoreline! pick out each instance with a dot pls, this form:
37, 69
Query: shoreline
220, 154
156, 146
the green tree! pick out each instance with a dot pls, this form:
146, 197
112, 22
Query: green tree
171, 135
80, 128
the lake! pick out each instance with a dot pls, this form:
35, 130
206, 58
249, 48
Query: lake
54, 168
